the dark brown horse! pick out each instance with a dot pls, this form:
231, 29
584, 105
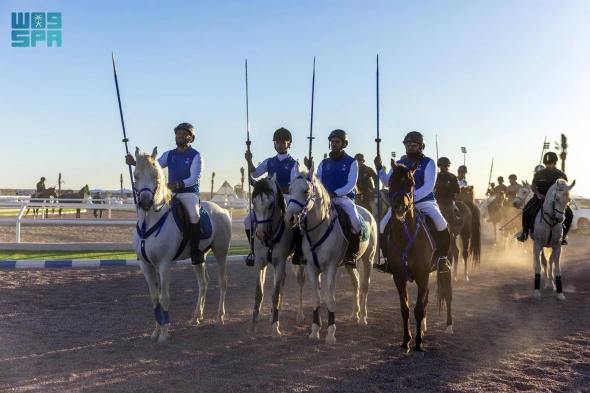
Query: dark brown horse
42, 197
409, 250
467, 224
74, 197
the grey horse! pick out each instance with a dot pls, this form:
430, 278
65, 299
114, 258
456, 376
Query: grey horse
158, 249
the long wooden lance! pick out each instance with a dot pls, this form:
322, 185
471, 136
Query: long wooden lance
378, 142
490, 177
248, 143
311, 137
125, 139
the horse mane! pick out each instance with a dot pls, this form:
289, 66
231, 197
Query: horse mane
160, 174
263, 187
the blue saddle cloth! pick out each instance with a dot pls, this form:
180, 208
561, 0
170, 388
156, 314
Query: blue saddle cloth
182, 221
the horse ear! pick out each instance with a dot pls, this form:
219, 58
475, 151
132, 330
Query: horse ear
393, 164
572, 185
136, 152
155, 152
310, 174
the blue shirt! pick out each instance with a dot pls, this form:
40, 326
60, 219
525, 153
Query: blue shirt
339, 175
184, 167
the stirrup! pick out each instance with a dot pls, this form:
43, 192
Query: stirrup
564, 241
249, 259
443, 265
197, 257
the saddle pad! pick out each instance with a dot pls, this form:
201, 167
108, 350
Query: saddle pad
344, 220
181, 219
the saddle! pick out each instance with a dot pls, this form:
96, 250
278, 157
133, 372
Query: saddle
182, 220
346, 225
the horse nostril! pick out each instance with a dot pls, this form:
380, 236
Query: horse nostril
292, 220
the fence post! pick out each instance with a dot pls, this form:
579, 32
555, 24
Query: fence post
18, 218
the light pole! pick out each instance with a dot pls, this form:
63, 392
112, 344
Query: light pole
464, 151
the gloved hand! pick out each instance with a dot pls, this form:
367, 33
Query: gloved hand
129, 160
378, 163
174, 186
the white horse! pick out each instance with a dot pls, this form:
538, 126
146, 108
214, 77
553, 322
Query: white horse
272, 244
157, 241
547, 232
523, 195
325, 248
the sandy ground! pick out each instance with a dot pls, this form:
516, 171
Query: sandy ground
88, 330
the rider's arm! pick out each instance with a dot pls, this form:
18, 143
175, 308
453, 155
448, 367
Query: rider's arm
318, 172
163, 160
429, 179
352, 177
260, 169
195, 171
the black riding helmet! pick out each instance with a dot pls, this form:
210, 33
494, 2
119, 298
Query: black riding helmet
513, 176
282, 134
550, 158
443, 161
187, 127
415, 137
340, 134
462, 168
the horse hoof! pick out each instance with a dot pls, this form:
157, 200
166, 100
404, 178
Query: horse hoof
536, 294
405, 347
155, 334
315, 332
418, 349
466, 278
362, 321
330, 340
355, 317
560, 296
449, 329
163, 339
221, 320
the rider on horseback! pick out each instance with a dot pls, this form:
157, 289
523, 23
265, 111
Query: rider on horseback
365, 183
41, 185
338, 173
184, 173
461, 172
424, 202
285, 168
513, 188
542, 181
446, 189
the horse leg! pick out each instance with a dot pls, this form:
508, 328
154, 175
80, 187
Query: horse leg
165, 279
221, 257
465, 239
202, 282
331, 303
258, 297
420, 311
313, 276
354, 281
364, 281
547, 264
279, 282
300, 272
537, 251
556, 256
400, 283
151, 277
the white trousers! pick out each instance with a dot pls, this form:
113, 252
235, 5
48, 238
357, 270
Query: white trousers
428, 208
191, 203
250, 215
349, 207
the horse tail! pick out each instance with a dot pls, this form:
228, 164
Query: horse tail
475, 244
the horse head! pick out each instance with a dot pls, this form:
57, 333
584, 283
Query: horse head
523, 195
305, 192
556, 200
267, 203
401, 189
150, 182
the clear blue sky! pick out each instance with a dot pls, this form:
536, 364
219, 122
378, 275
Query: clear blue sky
496, 77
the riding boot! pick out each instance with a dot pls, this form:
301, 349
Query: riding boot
382, 241
443, 242
250, 258
569, 217
197, 256
354, 245
298, 258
